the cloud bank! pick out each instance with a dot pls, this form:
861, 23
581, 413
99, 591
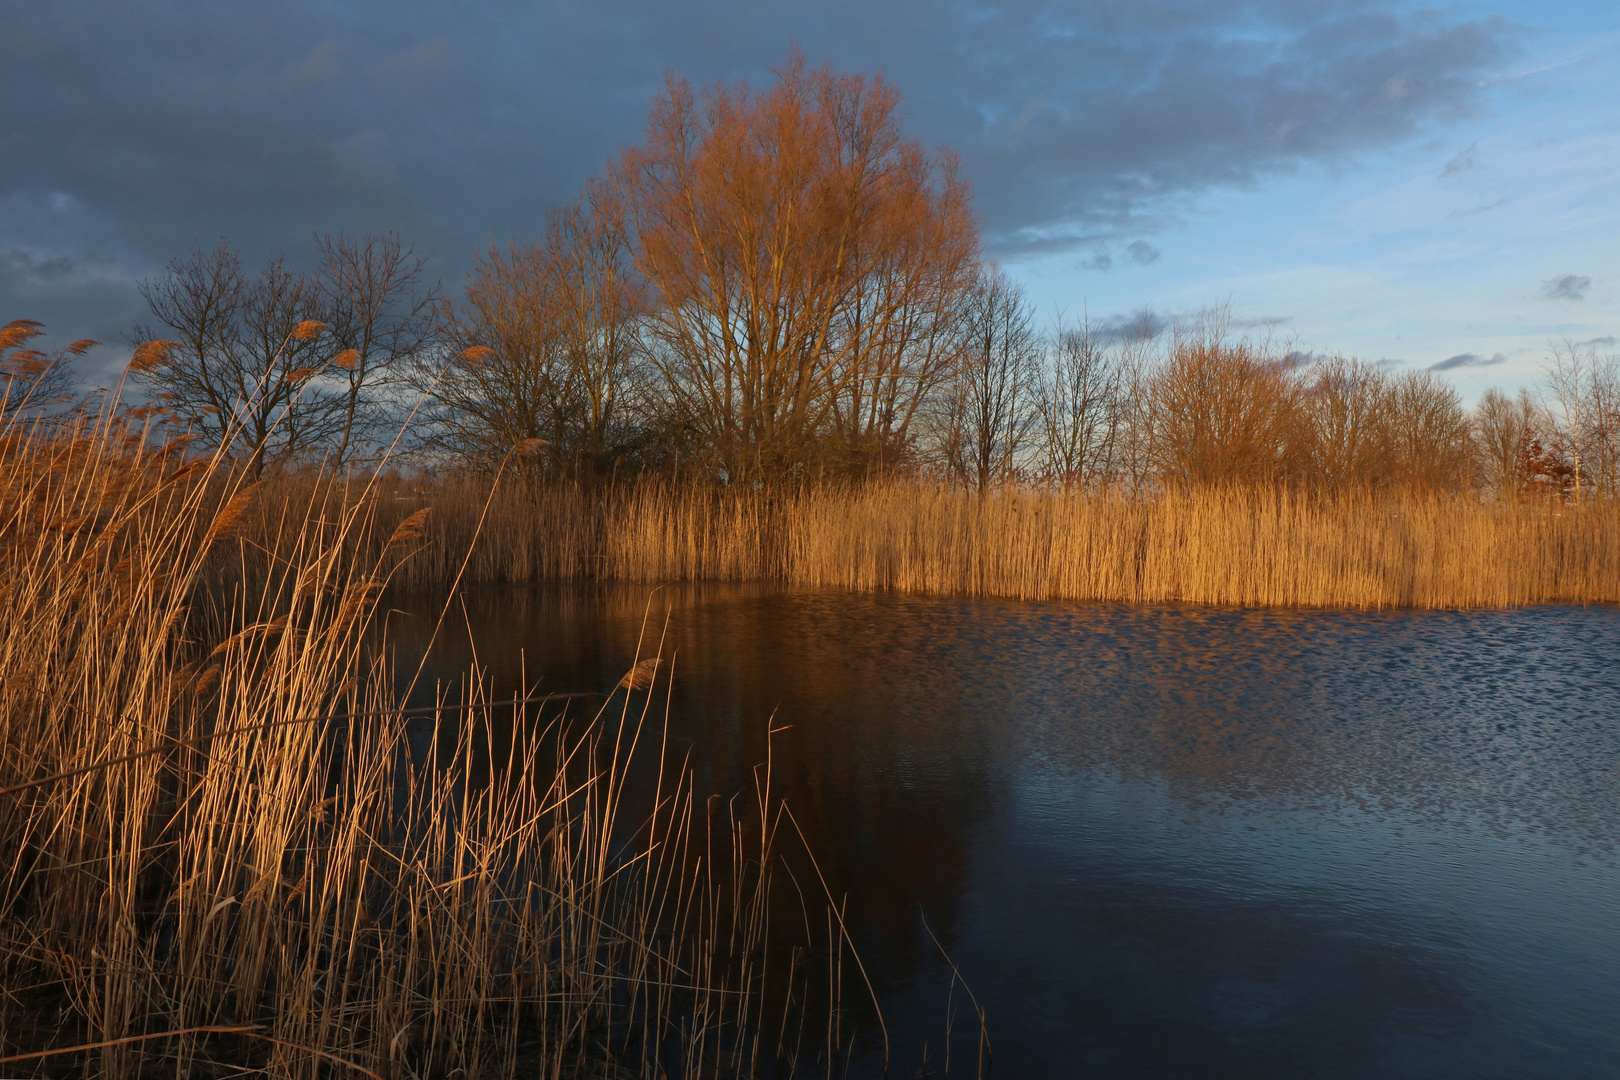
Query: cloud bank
1085, 125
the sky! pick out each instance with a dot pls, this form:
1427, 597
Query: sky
1427, 187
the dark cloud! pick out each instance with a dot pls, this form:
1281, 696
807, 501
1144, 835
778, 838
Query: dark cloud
1460, 162
1146, 323
1606, 341
1142, 253
1467, 360
1137, 252
1140, 325
1566, 287
1080, 123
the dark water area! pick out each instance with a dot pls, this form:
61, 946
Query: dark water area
1161, 841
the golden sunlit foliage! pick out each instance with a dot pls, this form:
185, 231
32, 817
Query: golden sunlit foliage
806, 264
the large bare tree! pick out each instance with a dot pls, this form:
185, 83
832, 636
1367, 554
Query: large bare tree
1430, 434
801, 256
1346, 406
1504, 430
1581, 402
241, 363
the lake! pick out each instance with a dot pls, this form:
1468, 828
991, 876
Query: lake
1167, 841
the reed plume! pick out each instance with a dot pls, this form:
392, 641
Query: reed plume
220, 854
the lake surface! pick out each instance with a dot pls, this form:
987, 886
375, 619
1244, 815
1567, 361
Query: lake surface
1162, 841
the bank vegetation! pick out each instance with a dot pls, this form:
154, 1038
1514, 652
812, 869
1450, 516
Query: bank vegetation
763, 342
227, 847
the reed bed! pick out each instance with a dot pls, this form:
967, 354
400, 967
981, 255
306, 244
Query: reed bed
226, 850
1244, 546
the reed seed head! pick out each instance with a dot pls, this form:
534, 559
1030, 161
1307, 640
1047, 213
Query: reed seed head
151, 356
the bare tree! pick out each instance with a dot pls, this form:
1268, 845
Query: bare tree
245, 353
1221, 410
507, 382
1567, 371
989, 409
1138, 348
1581, 397
1603, 426
547, 338
798, 251
905, 324
31, 380
1347, 406
379, 313
1504, 430
200, 301
597, 302
1430, 432
1080, 408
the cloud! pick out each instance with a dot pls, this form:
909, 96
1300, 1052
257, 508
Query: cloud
17, 266
1566, 287
1460, 162
1256, 322
1487, 208
1146, 323
1606, 341
1081, 123
1140, 325
1138, 252
1467, 360
1142, 253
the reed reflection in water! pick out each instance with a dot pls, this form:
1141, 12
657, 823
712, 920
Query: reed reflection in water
1163, 841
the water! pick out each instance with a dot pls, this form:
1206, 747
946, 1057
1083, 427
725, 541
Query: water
1164, 841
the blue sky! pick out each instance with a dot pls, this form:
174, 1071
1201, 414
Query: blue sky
1417, 185
1471, 247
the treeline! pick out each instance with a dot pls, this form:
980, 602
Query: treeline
1198, 406
777, 284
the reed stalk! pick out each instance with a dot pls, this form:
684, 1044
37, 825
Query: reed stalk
227, 849
1237, 545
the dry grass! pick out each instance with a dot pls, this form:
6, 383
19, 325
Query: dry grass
220, 854
1234, 546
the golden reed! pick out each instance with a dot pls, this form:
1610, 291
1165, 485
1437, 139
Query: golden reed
226, 849
1231, 546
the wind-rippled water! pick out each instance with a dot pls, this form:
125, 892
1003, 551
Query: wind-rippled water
1165, 841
